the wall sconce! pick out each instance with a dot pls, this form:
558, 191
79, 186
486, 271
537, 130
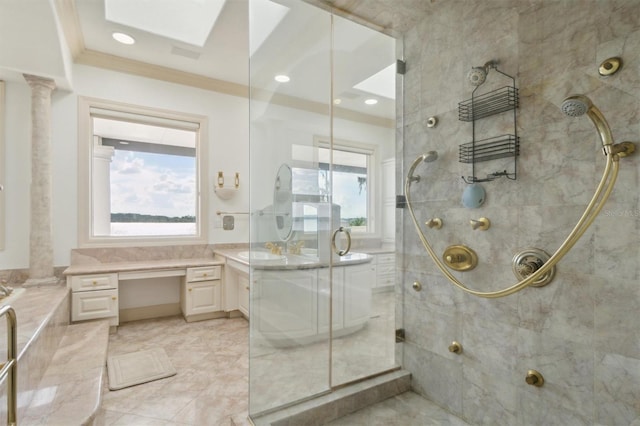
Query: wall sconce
226, 192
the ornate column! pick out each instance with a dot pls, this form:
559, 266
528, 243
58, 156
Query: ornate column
101, 190
40, 245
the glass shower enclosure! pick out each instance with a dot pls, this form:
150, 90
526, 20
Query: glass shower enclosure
316, 155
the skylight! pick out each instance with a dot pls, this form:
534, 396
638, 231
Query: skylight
383, 83
264, 17
189, 21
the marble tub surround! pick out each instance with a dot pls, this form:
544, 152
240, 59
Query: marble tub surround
70, 390
571, 329
42, 318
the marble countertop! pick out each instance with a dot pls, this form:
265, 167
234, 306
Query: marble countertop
293, 261
141, 265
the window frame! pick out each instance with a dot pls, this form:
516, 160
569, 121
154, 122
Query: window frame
85, 174
373, 190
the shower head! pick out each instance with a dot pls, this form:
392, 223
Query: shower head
577, 105
424, 158
477, 75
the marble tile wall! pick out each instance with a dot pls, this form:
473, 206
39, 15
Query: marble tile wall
582, 331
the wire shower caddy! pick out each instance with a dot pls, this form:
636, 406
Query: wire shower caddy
485, 105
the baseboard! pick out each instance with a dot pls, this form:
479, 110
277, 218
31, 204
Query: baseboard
207, 316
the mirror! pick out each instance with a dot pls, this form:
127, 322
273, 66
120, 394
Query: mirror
283, 203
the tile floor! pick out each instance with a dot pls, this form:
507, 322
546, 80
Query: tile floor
211, 386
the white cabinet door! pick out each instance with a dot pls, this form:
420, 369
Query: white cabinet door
202, 297
88, 305
285, 303
358, 280
243, 294
323, 299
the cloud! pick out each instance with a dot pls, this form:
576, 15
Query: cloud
152, 184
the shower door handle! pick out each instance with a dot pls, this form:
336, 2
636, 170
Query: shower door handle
333, 241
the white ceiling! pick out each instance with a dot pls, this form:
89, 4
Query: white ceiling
299, 47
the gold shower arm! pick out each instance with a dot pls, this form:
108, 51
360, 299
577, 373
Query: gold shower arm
591, 212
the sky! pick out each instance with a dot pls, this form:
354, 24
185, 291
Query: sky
155, 184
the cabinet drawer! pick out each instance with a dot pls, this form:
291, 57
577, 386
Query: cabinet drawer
204, 273
87, 305
94, 282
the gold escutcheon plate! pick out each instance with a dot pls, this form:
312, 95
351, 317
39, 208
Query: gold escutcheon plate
460, 258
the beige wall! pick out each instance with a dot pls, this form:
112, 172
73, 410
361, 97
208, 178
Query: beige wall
582, 331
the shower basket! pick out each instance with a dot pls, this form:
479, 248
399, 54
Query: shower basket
485, 105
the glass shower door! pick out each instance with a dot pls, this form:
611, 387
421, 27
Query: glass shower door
316, 152
290, 103
364, 76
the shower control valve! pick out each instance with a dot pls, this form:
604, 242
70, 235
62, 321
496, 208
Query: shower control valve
435, 222
481, 224
460, 258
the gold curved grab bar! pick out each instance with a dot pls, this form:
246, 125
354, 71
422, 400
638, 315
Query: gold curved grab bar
591, 212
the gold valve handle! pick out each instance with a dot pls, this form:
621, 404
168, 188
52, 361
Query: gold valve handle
333, 241
436, 223
481, 224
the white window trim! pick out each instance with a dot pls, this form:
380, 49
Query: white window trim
374, 168
85, 141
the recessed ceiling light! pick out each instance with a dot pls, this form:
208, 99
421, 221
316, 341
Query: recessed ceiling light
337, 101
123, 38
371, 101
282, 78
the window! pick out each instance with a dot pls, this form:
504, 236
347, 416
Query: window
140, 175
353, 173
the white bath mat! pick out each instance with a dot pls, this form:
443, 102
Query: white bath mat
138, 367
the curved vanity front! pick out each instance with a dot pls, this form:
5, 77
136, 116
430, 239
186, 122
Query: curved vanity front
290, 296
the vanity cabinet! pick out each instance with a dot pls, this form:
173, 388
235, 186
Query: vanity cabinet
357, 294
236, 286
201, 292
286, 304
292, 306
94, 296
243, 294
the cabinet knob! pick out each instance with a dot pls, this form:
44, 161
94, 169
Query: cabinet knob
94, 282
246, 288
190, 289
204, 275
114, 298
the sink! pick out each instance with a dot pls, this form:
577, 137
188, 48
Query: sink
260, 255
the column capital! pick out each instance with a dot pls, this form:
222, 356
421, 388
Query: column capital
36, 81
